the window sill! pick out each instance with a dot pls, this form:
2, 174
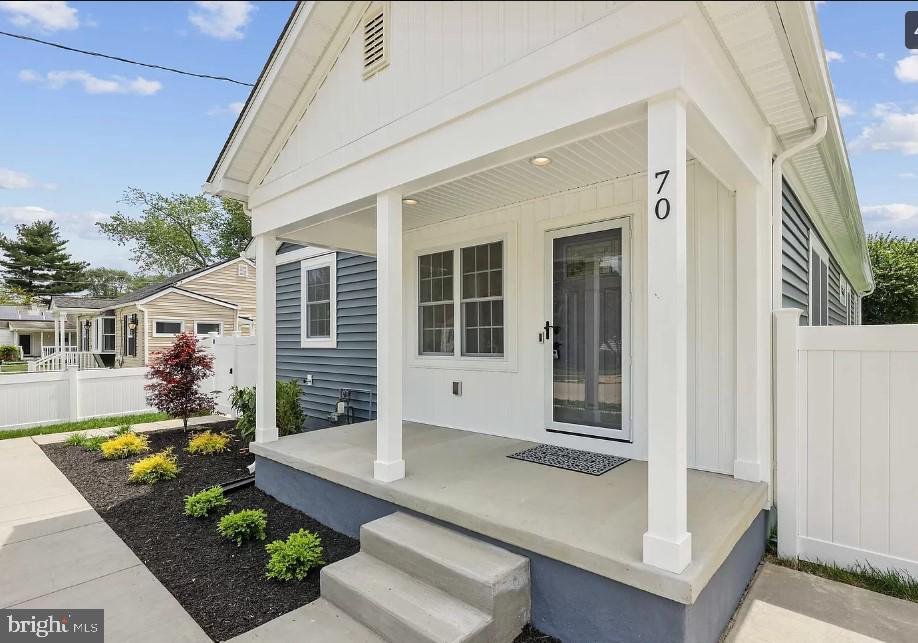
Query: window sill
319, 343
451, 362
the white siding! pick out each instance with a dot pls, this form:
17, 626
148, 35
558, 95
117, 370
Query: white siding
435, 48
507, 399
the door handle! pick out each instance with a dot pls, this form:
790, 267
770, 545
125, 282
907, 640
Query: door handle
549, 327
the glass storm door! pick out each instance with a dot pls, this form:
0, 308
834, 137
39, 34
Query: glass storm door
587, 333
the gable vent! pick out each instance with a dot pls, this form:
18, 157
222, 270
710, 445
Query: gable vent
375, 40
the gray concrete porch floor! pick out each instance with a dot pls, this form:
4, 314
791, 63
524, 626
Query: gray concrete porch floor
786, 606
56, 552
591, 522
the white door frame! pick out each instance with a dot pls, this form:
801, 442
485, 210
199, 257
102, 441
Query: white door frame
625, 434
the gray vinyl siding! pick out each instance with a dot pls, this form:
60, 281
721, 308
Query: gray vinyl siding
352, 365
795, 259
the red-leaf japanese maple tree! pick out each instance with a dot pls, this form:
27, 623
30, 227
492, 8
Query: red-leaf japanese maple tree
175, 376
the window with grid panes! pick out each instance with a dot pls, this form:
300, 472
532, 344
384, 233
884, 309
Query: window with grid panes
318, 298
435, 304
483, 300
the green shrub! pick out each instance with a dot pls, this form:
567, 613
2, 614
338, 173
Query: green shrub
121, 430
202, 503
243, 403
293, 558
77, 440
208, 443
155, 468
9, 353
289, 414
95, 442
243, 525
124, 445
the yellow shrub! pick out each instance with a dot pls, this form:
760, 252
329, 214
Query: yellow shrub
124, 446
208, 443
156, 467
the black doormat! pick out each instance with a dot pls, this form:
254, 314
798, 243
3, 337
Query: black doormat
594, 464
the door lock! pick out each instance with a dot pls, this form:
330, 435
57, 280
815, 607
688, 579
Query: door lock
549, 327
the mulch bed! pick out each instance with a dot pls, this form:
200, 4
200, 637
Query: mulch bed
221, 586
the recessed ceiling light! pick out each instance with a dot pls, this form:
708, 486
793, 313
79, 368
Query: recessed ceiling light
410, 201
540, 160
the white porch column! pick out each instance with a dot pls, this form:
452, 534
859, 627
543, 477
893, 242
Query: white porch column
266, 313
389, 465
667, 543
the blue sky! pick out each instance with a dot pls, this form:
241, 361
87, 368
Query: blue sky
76, 131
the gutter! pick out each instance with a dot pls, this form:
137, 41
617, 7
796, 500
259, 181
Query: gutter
820, 128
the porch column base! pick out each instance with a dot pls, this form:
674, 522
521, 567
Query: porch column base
671, 555
746, 470
266, 435
388, 471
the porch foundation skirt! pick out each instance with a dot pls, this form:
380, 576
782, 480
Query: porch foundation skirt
570, 603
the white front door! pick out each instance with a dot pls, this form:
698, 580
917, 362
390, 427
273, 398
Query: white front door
587, 330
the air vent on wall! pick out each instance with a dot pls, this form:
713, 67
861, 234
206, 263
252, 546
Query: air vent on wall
375, 39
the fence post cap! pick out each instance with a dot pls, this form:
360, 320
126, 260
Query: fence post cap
788, 313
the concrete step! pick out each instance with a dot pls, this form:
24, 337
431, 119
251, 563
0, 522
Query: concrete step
486, 577
399, 607
318, 621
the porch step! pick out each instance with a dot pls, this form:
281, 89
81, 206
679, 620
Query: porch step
399, 607
486, 577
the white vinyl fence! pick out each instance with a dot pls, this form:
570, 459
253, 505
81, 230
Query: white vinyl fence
235, 362
30, 399
847, 443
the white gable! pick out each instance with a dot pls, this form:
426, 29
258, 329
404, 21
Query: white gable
434, 48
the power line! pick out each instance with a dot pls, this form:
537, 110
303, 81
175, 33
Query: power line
123, 60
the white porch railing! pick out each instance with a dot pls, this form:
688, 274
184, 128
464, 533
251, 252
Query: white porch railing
847, 443
59, 361
50, 350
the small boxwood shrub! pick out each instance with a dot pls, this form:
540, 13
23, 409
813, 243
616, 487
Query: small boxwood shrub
202, 503
243, 525
208, 443
293, 558
155, 468
124, 446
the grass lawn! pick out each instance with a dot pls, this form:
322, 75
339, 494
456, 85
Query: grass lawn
14, 367
84, 425
892, 582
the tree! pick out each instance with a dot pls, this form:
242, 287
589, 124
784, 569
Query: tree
175, 376
37, 262
179, 232
895, 270
111, 283
14, 296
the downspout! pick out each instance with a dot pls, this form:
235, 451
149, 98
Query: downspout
777, 200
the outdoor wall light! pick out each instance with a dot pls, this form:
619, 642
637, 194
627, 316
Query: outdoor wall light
132, 322
540, 161
410, 201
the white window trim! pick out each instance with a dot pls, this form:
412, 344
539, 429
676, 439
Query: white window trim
207, 321
505, 232
329, 260
168, 321
242, 269
98, 335
816, 244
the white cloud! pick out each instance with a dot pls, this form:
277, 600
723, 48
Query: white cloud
896, 131
891, 217
81, 225
234, 109
907, 175
46, 16
907, 69
222, 20
13, 180
845, 108
833, 56
93, 84
881, 55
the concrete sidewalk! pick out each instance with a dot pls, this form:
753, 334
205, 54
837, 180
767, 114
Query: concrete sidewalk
787, 606
56, 552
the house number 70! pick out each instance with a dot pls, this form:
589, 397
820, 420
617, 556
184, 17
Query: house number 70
661, 207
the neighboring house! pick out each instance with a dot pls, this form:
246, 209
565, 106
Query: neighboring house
31, 329
125, 331
326, 332
583, 217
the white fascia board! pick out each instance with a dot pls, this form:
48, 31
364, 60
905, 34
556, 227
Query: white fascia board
300, 254
226, 187
640, 49
179, 291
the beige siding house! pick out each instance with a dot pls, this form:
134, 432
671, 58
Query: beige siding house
128, 330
